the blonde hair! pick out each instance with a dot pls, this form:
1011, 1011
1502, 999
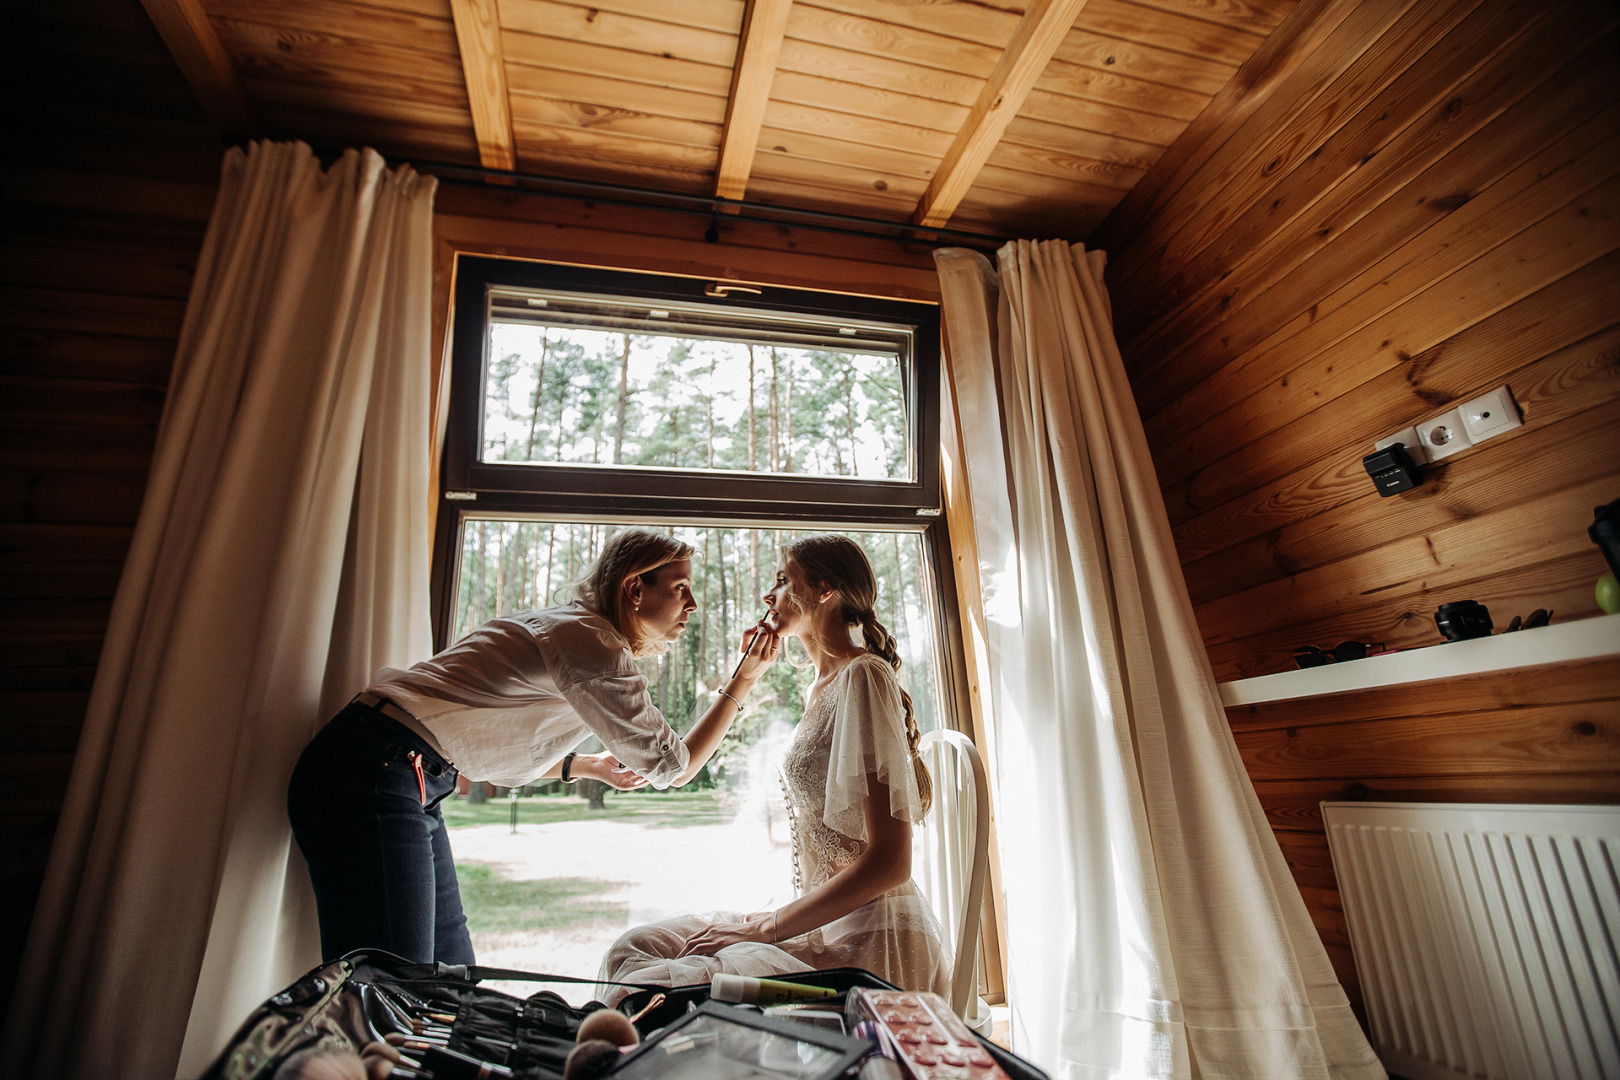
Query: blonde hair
839, 563
632, 553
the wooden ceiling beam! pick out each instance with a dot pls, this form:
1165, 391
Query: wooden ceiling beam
1036, 38
758, 47
483, 66
206, 66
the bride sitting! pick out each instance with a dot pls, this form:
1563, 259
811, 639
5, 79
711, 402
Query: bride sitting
854, 785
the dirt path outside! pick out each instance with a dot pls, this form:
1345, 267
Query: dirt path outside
650, 871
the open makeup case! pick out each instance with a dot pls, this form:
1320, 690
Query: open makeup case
454, 1029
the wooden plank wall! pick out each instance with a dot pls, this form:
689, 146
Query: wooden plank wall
1424, 210
494, 221
104, 196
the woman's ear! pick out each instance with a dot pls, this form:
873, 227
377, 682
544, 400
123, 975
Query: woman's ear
632, 592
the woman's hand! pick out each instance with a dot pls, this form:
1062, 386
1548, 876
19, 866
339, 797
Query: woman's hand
760, 926
760, 647
606, 768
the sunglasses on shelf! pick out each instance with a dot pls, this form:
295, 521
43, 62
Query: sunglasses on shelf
1315, 656
1538, 617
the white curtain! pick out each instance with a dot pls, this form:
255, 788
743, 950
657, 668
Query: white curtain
280, 557
1153, 927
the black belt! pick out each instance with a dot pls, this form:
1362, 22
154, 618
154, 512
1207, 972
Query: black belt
387, 708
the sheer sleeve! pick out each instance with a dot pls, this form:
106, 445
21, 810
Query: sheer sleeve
869, 738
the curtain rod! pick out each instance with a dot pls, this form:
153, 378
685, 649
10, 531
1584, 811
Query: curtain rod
710, 206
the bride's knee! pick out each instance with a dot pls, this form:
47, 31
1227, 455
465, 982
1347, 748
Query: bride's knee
648, 941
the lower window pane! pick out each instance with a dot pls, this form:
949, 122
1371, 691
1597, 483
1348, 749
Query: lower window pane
549, 881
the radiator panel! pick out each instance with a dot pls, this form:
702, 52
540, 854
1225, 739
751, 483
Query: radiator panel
1484, 936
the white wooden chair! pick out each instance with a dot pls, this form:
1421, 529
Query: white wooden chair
953, 853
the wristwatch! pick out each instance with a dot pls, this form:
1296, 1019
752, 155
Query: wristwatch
568, 765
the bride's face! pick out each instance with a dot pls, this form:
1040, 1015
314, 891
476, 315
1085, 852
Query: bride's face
787, 600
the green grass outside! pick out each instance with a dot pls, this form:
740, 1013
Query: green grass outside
494, 904
655, 809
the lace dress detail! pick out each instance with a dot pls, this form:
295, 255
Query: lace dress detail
818, 851
852, 730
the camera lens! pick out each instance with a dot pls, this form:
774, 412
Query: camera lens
1463, 619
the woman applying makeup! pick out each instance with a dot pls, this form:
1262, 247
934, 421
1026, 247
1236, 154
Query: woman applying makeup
506, 704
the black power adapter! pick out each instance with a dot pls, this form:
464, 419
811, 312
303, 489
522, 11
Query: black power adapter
1392, 469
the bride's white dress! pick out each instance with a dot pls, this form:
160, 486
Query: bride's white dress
854, 727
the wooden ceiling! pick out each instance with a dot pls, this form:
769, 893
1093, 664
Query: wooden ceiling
988, 115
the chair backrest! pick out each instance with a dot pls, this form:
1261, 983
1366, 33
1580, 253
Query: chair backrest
955, 851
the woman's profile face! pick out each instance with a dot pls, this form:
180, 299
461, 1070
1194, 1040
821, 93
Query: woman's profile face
662, 607
787, 598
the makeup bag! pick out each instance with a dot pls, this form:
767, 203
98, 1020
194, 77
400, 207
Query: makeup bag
368, 994
660, 1006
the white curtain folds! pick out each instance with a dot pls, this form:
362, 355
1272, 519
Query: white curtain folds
281, 556
1153, 927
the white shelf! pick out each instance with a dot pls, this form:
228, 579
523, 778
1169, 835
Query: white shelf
1582, 639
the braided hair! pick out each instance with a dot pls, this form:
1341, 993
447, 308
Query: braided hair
839, 563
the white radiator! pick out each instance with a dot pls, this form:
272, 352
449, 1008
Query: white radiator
1484, 936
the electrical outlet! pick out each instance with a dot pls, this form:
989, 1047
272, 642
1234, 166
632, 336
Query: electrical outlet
1444, 435
1414, 446
1490, 414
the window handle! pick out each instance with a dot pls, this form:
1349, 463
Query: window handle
715, 289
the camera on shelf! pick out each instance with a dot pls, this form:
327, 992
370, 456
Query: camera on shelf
1463, 619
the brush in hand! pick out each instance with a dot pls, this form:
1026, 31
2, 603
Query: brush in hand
768, 620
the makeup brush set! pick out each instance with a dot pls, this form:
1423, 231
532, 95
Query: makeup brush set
375, 1016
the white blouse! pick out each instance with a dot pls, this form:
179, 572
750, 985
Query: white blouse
506, 702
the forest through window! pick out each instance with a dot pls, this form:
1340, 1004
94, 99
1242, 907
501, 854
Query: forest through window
573, 394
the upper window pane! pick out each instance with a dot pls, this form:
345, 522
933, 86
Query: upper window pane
631, 382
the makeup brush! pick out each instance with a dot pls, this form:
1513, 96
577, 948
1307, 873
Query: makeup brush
769, 618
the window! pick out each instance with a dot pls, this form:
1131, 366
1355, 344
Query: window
584, 400
592, 393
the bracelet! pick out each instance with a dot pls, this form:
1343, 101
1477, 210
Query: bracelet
734, 701
568, 765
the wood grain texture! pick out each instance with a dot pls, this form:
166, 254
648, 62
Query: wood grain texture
1571, 313
478, 34
1414, 210
571, 231
1036, 38
1125, 79
1208, 161
1346, 100
205, 64
1417, 122
299, 51
764, 23
1581, 232
1299, 34
630, 32
1474, 198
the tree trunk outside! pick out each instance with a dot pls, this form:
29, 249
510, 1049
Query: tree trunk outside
593, 791
622, 403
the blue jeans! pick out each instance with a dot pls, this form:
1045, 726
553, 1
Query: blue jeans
375, 841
